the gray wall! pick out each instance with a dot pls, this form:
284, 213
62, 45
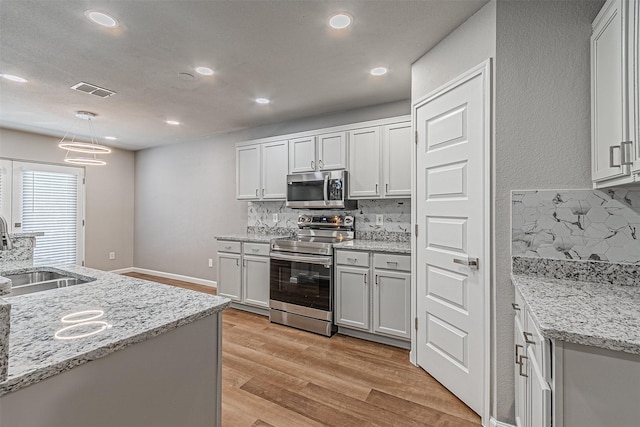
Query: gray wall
109, 196
542, 130
541, 124
185, 193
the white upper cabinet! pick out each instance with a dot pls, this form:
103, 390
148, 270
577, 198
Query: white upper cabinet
614, 94
396, 159
318, 153
302, 154
248, 172
364, 163
332, 151
380, 161
261, 171
274, 170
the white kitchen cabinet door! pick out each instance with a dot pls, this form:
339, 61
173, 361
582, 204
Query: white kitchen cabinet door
256, 280
392, 303
520, 373
538, 394
352, 297
609, 106
248, 172
364, 163
302, 154
332, 151
274, 170
634, 86
230, 276
396, 159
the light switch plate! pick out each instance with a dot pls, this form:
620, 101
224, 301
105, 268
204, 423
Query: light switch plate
112, 255
275, 217
379, 220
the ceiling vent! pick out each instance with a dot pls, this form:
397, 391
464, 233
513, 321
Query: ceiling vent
93, 90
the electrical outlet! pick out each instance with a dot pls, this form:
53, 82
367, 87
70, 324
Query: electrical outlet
379, 220
275, 218
112, 255
210, 262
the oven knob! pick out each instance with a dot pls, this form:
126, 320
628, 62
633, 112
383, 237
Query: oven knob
348, 220
308, 219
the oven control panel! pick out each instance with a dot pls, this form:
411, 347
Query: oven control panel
325, 221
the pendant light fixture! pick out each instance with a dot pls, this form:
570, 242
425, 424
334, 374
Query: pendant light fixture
92, 148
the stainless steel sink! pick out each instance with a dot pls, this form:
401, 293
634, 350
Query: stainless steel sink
37, 281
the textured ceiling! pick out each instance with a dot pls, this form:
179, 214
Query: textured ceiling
280, 49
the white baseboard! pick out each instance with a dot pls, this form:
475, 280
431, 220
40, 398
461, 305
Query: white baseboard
495, 423
122, 270
211, 283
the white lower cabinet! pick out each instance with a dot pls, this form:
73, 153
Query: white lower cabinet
563, 384
243, 273
373, 293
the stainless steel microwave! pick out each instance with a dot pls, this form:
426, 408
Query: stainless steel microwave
319, 190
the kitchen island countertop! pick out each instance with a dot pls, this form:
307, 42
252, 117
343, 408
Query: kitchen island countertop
131, 310
593, 314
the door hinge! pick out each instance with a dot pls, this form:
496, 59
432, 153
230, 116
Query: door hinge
83, 222
416, 138
84, 181
416, 230
416, 323
83, 263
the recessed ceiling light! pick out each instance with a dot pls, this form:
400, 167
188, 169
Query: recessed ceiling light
340, 21
111, 138
17, 79
205, 71
172, 122
379, 71
263, 101
101, 18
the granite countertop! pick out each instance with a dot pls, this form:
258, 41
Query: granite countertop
594, 314
133, 311
375, 246
252, 238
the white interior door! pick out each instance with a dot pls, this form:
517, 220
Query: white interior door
452, 199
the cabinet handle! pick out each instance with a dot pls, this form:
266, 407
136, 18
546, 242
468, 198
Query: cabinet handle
263, 192
320, 164
376, 279
528, 337
517, 355
626, 160
255, 249
256, 192
515, 306
237, 262
386, 189
313, 164
244, 262
376, 188
353, 260
365, 278
522, 374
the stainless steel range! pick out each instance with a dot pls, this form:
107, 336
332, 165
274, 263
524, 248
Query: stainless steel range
301, 282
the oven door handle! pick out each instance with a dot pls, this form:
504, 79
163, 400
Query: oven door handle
321, 260
325, 191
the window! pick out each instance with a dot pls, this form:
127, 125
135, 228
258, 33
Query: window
5, 189
49, 199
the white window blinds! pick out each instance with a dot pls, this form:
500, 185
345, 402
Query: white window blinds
50, 201
5, 189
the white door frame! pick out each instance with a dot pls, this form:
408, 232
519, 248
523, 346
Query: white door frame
485, 71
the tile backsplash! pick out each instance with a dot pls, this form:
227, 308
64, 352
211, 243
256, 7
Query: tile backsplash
601, 225
396, 214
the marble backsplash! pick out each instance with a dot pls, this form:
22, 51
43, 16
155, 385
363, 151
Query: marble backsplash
396, 214
596, 225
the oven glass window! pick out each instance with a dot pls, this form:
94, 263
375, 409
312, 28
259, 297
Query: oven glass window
305, 191
300, 283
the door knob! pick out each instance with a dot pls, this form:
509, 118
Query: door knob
472, 263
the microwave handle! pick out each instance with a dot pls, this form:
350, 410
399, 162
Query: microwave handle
325, 191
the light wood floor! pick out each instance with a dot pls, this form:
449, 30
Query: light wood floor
273, 375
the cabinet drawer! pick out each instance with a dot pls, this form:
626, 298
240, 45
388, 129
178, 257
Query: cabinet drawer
229, 246
392, 262
361, 259
518, 308
256, 249
538, 345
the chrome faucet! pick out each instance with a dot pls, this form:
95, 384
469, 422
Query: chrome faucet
5, 240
